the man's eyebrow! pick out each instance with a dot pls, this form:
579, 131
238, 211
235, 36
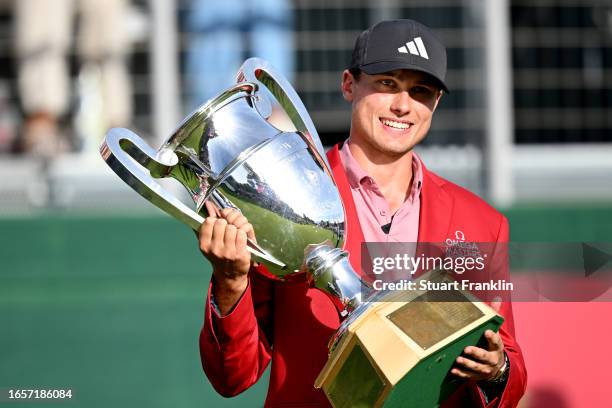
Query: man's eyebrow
394, 74
426, 81
399, 74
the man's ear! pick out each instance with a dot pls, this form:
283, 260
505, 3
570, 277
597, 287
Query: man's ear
347, 85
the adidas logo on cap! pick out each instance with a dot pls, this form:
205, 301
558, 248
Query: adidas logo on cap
414, 47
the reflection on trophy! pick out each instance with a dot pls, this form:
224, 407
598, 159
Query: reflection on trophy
255, 148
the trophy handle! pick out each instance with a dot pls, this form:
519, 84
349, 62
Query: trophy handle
130, 158
261, 72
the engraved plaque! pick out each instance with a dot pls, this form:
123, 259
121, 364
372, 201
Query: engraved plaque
428, 320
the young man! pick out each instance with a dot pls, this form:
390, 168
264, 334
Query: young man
394, 83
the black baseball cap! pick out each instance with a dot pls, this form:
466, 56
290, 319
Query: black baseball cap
400, 44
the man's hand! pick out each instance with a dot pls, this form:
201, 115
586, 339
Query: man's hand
223, 241
479, 364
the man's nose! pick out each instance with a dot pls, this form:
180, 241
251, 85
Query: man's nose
402, 103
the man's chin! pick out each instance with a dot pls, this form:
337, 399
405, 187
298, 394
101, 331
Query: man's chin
395, 151
399, 146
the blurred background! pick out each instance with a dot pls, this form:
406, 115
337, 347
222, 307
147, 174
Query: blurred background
102, 293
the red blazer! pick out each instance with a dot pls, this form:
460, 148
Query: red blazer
299, 321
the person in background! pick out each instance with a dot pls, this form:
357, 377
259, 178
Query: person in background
222, 35
43, 40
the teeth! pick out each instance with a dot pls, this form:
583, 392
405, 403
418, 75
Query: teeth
394, 124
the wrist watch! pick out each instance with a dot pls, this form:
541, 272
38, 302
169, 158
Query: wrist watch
502, 375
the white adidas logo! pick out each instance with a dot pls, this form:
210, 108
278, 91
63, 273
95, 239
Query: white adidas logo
414, 47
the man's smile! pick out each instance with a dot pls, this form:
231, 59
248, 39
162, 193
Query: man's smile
396, 124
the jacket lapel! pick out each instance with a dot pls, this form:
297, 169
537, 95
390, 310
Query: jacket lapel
434, 218
436, 210
353, 233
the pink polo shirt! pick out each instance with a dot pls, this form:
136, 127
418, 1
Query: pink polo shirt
372, 208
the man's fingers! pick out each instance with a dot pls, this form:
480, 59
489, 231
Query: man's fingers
224, 244
468, 365
461, 373
494, 340
241, 242
240, 221
249, 231
205, 233
230, 216
228, 212
212, 209
218, 232
481, 355
234, 217
229, 241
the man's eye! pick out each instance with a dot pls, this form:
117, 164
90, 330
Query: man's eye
386, 82
420, 90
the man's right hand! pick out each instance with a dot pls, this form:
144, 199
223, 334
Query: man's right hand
223, 241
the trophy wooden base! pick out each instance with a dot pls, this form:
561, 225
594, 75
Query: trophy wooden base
399, 352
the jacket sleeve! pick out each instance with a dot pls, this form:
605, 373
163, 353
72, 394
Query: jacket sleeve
235, 349
515, 386
517, 380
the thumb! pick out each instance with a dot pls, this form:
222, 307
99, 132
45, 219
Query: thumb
212, 209
494, 340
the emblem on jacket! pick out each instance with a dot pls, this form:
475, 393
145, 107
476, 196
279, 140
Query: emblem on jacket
460, 248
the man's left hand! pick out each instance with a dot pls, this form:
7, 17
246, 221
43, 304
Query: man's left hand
479, 364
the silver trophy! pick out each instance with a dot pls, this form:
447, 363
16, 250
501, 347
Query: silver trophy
254, 148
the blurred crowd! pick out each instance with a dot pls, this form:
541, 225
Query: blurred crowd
71, 69
72, 61
45, 34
